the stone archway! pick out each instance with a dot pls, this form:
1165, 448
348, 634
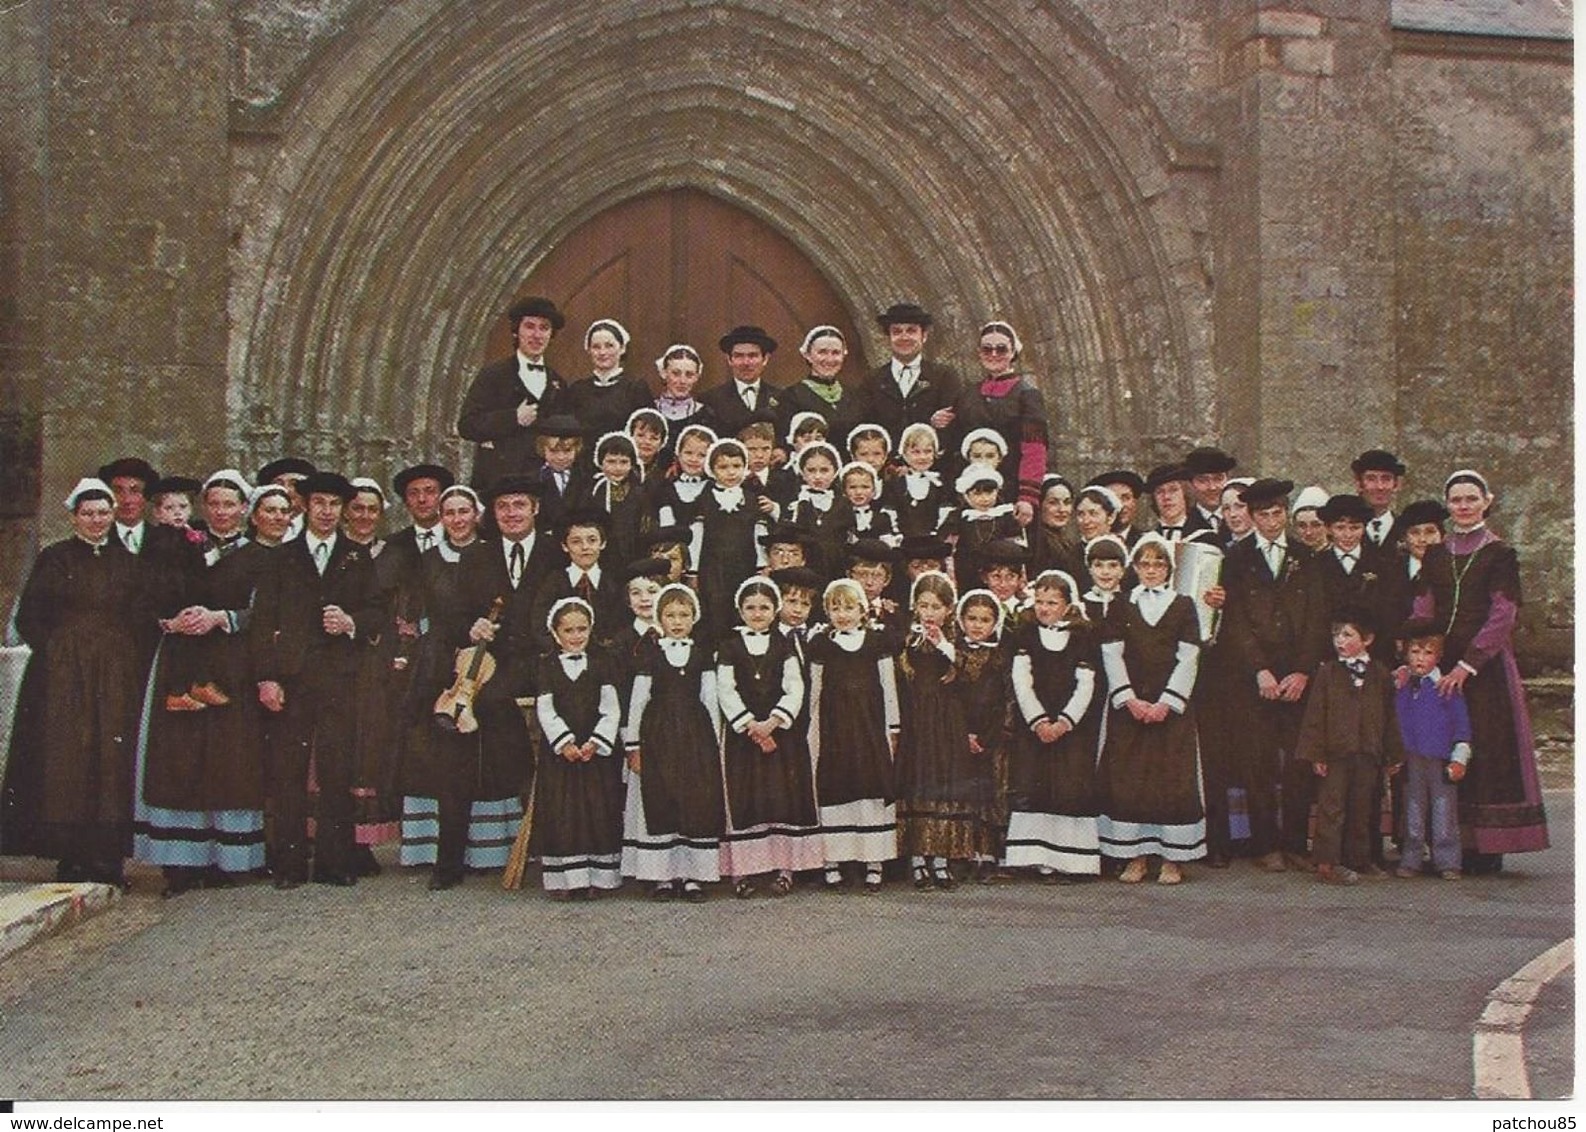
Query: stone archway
435, 155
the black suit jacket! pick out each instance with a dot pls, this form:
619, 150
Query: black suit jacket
729, 410
482, 577
1275, 624
880, 402
287, 638
489, 418
1370, 587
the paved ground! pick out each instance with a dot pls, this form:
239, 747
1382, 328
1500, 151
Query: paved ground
1237, 984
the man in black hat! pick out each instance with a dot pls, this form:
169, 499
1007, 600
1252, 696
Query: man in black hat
505, 567
1356, 573
130, 479
420, 487
1275, 625
397, 570
509, 396
315, 611
737, 401
1379, 475
1128, 487
287, 472
908, 389
1208, 470
1168, 485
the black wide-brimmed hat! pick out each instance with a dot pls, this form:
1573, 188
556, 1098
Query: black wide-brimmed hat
1004, 552
911, 313
1345, 507
747, 335
442, 476
1120, 475
172, 485
1265, 492
924, 548
1377, 460
1206, 460
1165, 473
326, 483
130, 467
285, 466
515, 484
535, 306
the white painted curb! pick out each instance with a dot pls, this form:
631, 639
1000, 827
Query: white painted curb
1498, 1045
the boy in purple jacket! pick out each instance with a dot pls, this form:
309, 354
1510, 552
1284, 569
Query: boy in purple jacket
1436, 732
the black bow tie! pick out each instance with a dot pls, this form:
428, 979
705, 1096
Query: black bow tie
1357, 666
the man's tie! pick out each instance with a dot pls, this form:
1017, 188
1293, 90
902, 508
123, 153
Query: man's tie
1274, 553
1347, 561
426, 540
748, 397
515, 565
585, 590
321, 557
130, 539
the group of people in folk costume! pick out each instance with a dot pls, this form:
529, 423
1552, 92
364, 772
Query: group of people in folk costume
763, 632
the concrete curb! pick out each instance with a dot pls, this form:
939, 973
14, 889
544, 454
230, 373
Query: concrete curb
45, 909
1498, 1045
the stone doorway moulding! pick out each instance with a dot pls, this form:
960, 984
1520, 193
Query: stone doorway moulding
433, 155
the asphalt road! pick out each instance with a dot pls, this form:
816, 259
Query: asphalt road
1235, 984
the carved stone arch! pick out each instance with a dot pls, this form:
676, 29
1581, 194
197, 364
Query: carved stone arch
435, 153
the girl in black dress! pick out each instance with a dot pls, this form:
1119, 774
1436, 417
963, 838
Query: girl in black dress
853, 735
676, 811
917, 495
1052, 760
730, 527
772, 823
938, 816
578, 790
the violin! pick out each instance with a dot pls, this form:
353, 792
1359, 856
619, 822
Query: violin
454, 709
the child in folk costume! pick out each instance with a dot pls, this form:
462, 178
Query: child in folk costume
649, 432
801, 588
677, 500
860, 513
731, 525
642, 582
917, 496
1052, 763
981, 521
853, 737
818, 511
676, 812
578, 787
1350, 735
620, 494
1149, 771
805, 428
1106, 559
772, 822
869, 444
939, 812
983, 674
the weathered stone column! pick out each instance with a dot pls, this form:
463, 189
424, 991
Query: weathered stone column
133, 160
1304, 239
